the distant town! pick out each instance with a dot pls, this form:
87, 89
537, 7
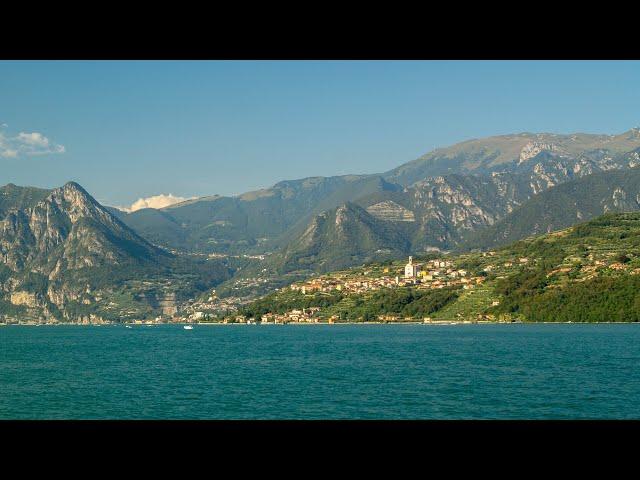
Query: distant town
432, 274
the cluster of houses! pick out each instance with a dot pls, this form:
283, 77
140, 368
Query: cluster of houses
432, 267
211, 307
304, 315
433, 274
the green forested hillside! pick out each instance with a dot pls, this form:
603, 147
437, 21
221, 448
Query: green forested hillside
584, 274
587, 273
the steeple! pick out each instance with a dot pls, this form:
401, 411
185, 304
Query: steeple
411, 269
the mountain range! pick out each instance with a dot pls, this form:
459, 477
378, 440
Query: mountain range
563, 206
475, 194
442, 196
488, 181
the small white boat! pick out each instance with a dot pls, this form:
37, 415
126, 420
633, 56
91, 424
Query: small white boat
127, 326
188, 327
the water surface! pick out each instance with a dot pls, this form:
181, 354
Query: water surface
320, 372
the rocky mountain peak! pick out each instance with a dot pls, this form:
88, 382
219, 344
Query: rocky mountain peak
76, 203
69, 226
532, 149
71, 191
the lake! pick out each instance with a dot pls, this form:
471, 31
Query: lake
516, 371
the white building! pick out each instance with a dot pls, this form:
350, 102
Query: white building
411, 269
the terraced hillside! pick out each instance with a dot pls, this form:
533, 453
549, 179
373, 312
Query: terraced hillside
587, 273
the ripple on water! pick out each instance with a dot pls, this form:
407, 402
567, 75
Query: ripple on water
359, 371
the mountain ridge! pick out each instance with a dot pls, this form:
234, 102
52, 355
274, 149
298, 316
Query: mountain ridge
266, 220
434, 203
562, 206
63, 256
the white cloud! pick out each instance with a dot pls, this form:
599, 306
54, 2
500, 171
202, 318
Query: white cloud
156, 201
27, 144
34, 139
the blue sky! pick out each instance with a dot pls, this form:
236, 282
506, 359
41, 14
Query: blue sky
129, 129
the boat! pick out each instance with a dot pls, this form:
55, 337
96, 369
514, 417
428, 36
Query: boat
127, 326
188, 327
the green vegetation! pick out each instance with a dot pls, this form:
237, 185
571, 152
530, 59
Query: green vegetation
402, 303
468, 305
606, 299
281, 302
588, 273
7, 308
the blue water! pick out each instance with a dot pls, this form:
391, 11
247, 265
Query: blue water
320, 372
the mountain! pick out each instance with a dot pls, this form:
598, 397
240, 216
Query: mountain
251, 222
562, 206
154, 225
340, 237
444, 194
439, 213
586, 273
65, 256
14, 197
509, 152
67, 230
433, 203
62, 254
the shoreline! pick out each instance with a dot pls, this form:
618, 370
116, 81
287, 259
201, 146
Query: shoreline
435, 323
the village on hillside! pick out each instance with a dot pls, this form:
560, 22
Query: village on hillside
432, 274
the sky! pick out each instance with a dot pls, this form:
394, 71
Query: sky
129, 130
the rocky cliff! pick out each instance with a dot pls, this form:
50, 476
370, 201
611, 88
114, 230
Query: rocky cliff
63, 256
